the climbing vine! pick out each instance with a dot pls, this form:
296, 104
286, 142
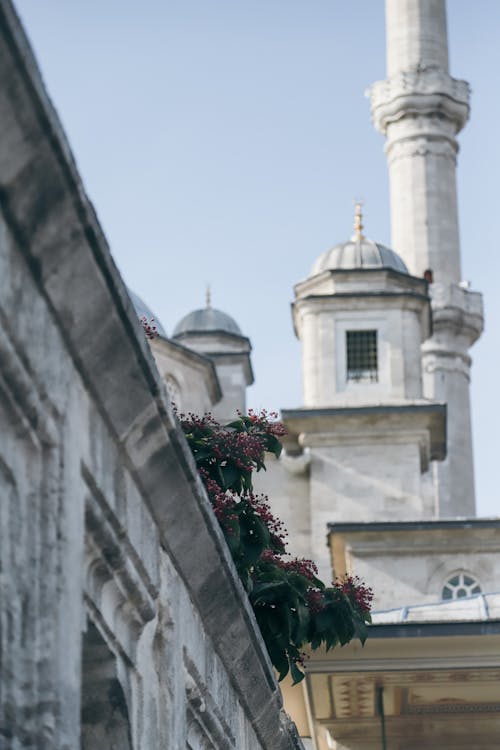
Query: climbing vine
292, 606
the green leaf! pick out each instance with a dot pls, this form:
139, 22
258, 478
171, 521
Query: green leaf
331, 640
231, 477
280, 662
274, 446
268, 592
297, 674
302, 624
316, 641
324, 621
232, 537
299, 582
360, 630
343, 622
261, 531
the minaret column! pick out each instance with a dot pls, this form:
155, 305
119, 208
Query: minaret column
420, 109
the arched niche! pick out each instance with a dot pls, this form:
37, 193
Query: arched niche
104, 712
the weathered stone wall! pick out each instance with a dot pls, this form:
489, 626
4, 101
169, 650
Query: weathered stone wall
191, 378
117, 595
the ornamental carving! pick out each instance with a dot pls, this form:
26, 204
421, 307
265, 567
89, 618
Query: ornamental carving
423, 91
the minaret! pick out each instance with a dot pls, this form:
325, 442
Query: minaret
420, 109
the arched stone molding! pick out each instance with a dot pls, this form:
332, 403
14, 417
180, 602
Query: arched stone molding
116, 583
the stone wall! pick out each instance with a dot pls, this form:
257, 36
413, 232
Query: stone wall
122, 621
191, 378
408, 563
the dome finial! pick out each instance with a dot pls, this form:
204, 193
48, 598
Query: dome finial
358, 222
208, 298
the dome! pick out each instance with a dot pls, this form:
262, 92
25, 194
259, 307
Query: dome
142, 309
362, 253
358, 252
207, 319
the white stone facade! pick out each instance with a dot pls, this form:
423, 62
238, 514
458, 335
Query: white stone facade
394, 305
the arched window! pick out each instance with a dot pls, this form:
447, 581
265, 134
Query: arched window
459, 585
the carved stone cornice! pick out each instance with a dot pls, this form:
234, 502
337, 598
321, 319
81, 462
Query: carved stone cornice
424, 91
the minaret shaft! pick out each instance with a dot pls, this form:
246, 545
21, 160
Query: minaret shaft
420, 109
416, 35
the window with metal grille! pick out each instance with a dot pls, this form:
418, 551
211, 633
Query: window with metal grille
362, 363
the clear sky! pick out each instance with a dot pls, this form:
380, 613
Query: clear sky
222, 142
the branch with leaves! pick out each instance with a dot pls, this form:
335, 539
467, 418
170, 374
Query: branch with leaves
293, 608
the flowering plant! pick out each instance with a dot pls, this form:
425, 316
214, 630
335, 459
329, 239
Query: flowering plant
150, 330
292, 606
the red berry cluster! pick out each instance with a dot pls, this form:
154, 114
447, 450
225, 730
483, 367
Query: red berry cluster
262, 419
301, 565
277, 529
242, 448
360, 596
149, 327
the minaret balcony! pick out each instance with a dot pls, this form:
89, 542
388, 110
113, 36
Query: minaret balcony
425, 91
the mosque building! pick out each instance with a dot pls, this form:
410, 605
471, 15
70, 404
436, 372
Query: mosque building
377, 479
123, 623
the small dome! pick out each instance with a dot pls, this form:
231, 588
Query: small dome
207, 319
142, 309
358, 253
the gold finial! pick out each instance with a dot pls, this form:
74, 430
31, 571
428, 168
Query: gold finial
358, 222
208, 297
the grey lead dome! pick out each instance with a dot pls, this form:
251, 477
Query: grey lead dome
358, 253
207, 319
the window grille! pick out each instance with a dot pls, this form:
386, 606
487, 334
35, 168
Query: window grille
460, 585
362, 360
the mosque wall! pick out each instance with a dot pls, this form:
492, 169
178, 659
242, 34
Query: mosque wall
191, 379
286, 482
412, 562
122, 620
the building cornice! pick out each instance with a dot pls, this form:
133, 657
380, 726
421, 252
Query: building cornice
376, 527
424, 423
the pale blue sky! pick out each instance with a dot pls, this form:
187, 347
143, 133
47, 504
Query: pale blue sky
222, 141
